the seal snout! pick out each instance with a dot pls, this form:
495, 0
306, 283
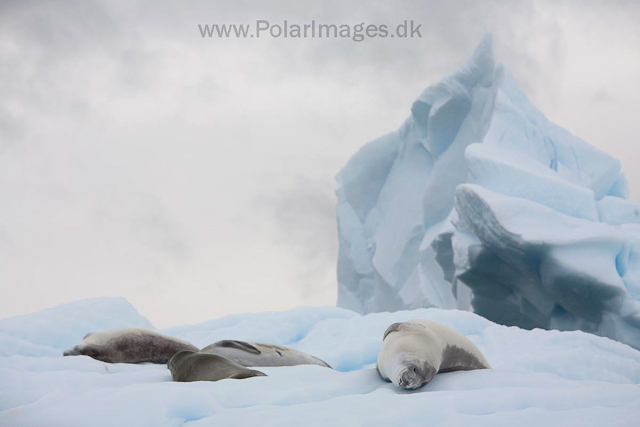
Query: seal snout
73, 351
410, 378
415, 375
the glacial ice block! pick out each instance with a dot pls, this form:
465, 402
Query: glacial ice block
478, 202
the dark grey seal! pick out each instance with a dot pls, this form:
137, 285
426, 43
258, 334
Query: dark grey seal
186, 366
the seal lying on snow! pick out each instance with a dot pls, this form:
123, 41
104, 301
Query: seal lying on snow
413, 352
188, 366
129, 346
255, 354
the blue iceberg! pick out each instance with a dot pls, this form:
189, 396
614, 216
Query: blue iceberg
480, 203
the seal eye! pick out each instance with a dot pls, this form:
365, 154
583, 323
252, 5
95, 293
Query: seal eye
413, 368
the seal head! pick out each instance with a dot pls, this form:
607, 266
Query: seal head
415, 373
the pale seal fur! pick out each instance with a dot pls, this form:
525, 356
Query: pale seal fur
414, 352
188, 366
130, 345
256, 354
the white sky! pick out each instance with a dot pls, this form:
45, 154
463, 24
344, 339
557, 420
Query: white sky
195, 176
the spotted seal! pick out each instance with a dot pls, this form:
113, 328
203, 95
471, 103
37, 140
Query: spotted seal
256, 354
130, 345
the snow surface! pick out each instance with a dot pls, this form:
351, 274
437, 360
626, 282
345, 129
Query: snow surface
539, 377
479, 203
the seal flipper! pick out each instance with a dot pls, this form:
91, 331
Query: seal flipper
455, 358
400, 326
247, 374
240, 345
382, 376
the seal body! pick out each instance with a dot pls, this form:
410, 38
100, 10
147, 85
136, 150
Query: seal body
255, 354
186, 366
130, 345
414, 352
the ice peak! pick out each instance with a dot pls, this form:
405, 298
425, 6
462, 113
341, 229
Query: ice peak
479, 68
483, 59
484, 51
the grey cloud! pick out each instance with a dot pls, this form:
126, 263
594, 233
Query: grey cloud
144, 219
12, 128
129, 141
305, 218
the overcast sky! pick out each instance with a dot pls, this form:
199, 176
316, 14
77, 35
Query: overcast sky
194, 176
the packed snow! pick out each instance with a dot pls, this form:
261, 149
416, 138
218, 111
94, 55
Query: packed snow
539, 377
479, 203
